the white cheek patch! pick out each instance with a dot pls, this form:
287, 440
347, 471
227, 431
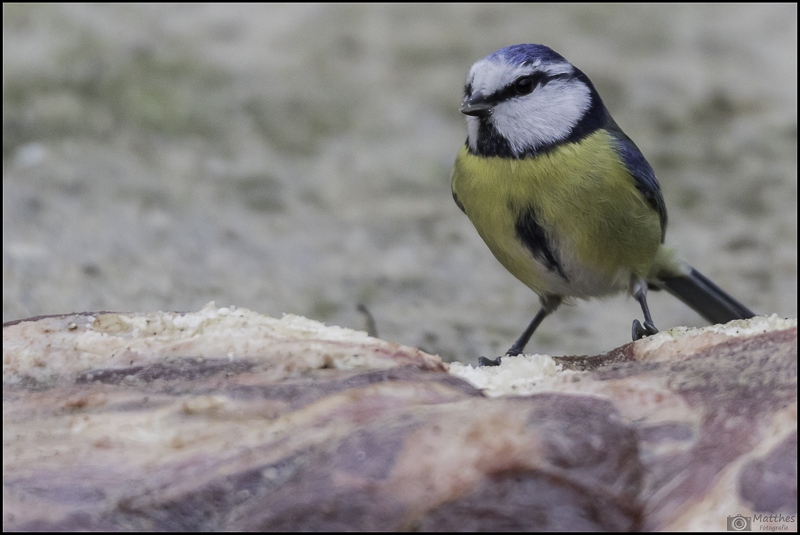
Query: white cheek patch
545, 116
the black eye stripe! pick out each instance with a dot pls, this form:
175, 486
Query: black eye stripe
538, 80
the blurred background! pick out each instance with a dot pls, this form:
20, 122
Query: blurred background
297, 159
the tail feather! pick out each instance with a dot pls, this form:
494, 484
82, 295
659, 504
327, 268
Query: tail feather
705, 297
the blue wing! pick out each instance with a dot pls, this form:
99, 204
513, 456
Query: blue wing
646, 181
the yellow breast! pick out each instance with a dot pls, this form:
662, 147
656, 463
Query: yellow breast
599, 225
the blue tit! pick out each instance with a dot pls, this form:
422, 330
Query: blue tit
562, 197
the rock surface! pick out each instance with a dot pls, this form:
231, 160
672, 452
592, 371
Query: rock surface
227, 419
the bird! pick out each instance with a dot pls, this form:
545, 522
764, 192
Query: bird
567, 202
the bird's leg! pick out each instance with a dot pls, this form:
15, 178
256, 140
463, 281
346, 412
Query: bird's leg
521, 342
549, 304
639, 331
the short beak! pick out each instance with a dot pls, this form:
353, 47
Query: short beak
477, 106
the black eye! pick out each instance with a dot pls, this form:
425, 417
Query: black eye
524, 85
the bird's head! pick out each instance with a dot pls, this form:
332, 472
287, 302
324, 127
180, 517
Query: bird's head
524, 99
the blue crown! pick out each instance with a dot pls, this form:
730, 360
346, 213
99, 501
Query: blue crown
526, 54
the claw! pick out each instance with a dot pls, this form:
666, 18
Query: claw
638, 331
483, 361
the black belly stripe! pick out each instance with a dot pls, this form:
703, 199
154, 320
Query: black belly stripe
533, 235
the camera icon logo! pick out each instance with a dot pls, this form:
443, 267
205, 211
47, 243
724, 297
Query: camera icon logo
739, 523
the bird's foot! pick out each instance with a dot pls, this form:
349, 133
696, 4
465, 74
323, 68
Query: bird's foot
483, 361
514, 351
638, 331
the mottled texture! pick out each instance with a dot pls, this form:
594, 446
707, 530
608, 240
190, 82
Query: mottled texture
291, 432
